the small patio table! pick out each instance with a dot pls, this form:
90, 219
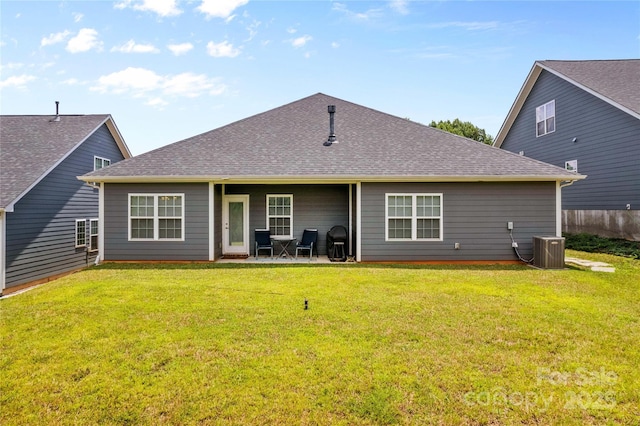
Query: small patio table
284, 242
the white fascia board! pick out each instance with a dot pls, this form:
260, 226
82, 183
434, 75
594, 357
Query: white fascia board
328, 180
117, 136
517, 104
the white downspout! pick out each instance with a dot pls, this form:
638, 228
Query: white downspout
559, 186
100, 255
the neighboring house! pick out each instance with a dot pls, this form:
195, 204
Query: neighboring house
584, 116
403, 190
48, 218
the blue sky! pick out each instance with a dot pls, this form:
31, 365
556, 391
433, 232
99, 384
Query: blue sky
167, 70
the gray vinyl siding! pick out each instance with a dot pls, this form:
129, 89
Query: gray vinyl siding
314, 206
607, 146
474, 215
40, 239
195, 246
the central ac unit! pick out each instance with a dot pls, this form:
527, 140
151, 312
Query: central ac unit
548, 252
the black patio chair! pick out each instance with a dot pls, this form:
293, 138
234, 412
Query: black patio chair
263, 241
309, 241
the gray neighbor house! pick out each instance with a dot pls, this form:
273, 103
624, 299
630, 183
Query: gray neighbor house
403, 191
48, 218
584, 116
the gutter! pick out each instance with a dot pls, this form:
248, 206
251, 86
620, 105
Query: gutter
325, 179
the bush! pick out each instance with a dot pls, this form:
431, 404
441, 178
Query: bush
594, 244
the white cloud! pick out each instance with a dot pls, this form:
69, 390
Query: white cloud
192, 85
163, 8
77, 17
55, 38
470, 26
132, 47
252, 29
157, 102
301, 41
134, 80
86, 40
335, 44
144, 83
222, 49
180, 49
11, 66
220, 8
18, 81
400, 6
368, 15
71, 82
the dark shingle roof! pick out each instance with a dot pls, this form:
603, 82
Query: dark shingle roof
286, 143
618, 80
31, 145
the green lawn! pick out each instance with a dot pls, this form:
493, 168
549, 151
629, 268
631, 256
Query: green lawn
379, 344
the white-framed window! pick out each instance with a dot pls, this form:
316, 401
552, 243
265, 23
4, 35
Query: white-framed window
81, 232
156, 217
99, 162
93, 234
280, 214
413, 217
571, 165
546, 118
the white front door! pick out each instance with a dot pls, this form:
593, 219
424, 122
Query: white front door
235, 223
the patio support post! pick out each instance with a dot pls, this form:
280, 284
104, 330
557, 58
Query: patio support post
358, 221
212, 208
350, 219
101, 254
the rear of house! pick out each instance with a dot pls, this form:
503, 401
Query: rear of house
411, 193
48, 218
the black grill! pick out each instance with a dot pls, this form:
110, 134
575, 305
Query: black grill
337, 243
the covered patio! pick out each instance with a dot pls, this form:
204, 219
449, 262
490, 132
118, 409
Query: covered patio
265, 259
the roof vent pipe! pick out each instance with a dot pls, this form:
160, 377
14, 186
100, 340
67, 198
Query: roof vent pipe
57, 117
332, 134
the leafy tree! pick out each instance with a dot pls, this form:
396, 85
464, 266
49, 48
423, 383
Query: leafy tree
464, 128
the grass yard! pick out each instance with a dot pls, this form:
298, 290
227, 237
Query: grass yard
379, 344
